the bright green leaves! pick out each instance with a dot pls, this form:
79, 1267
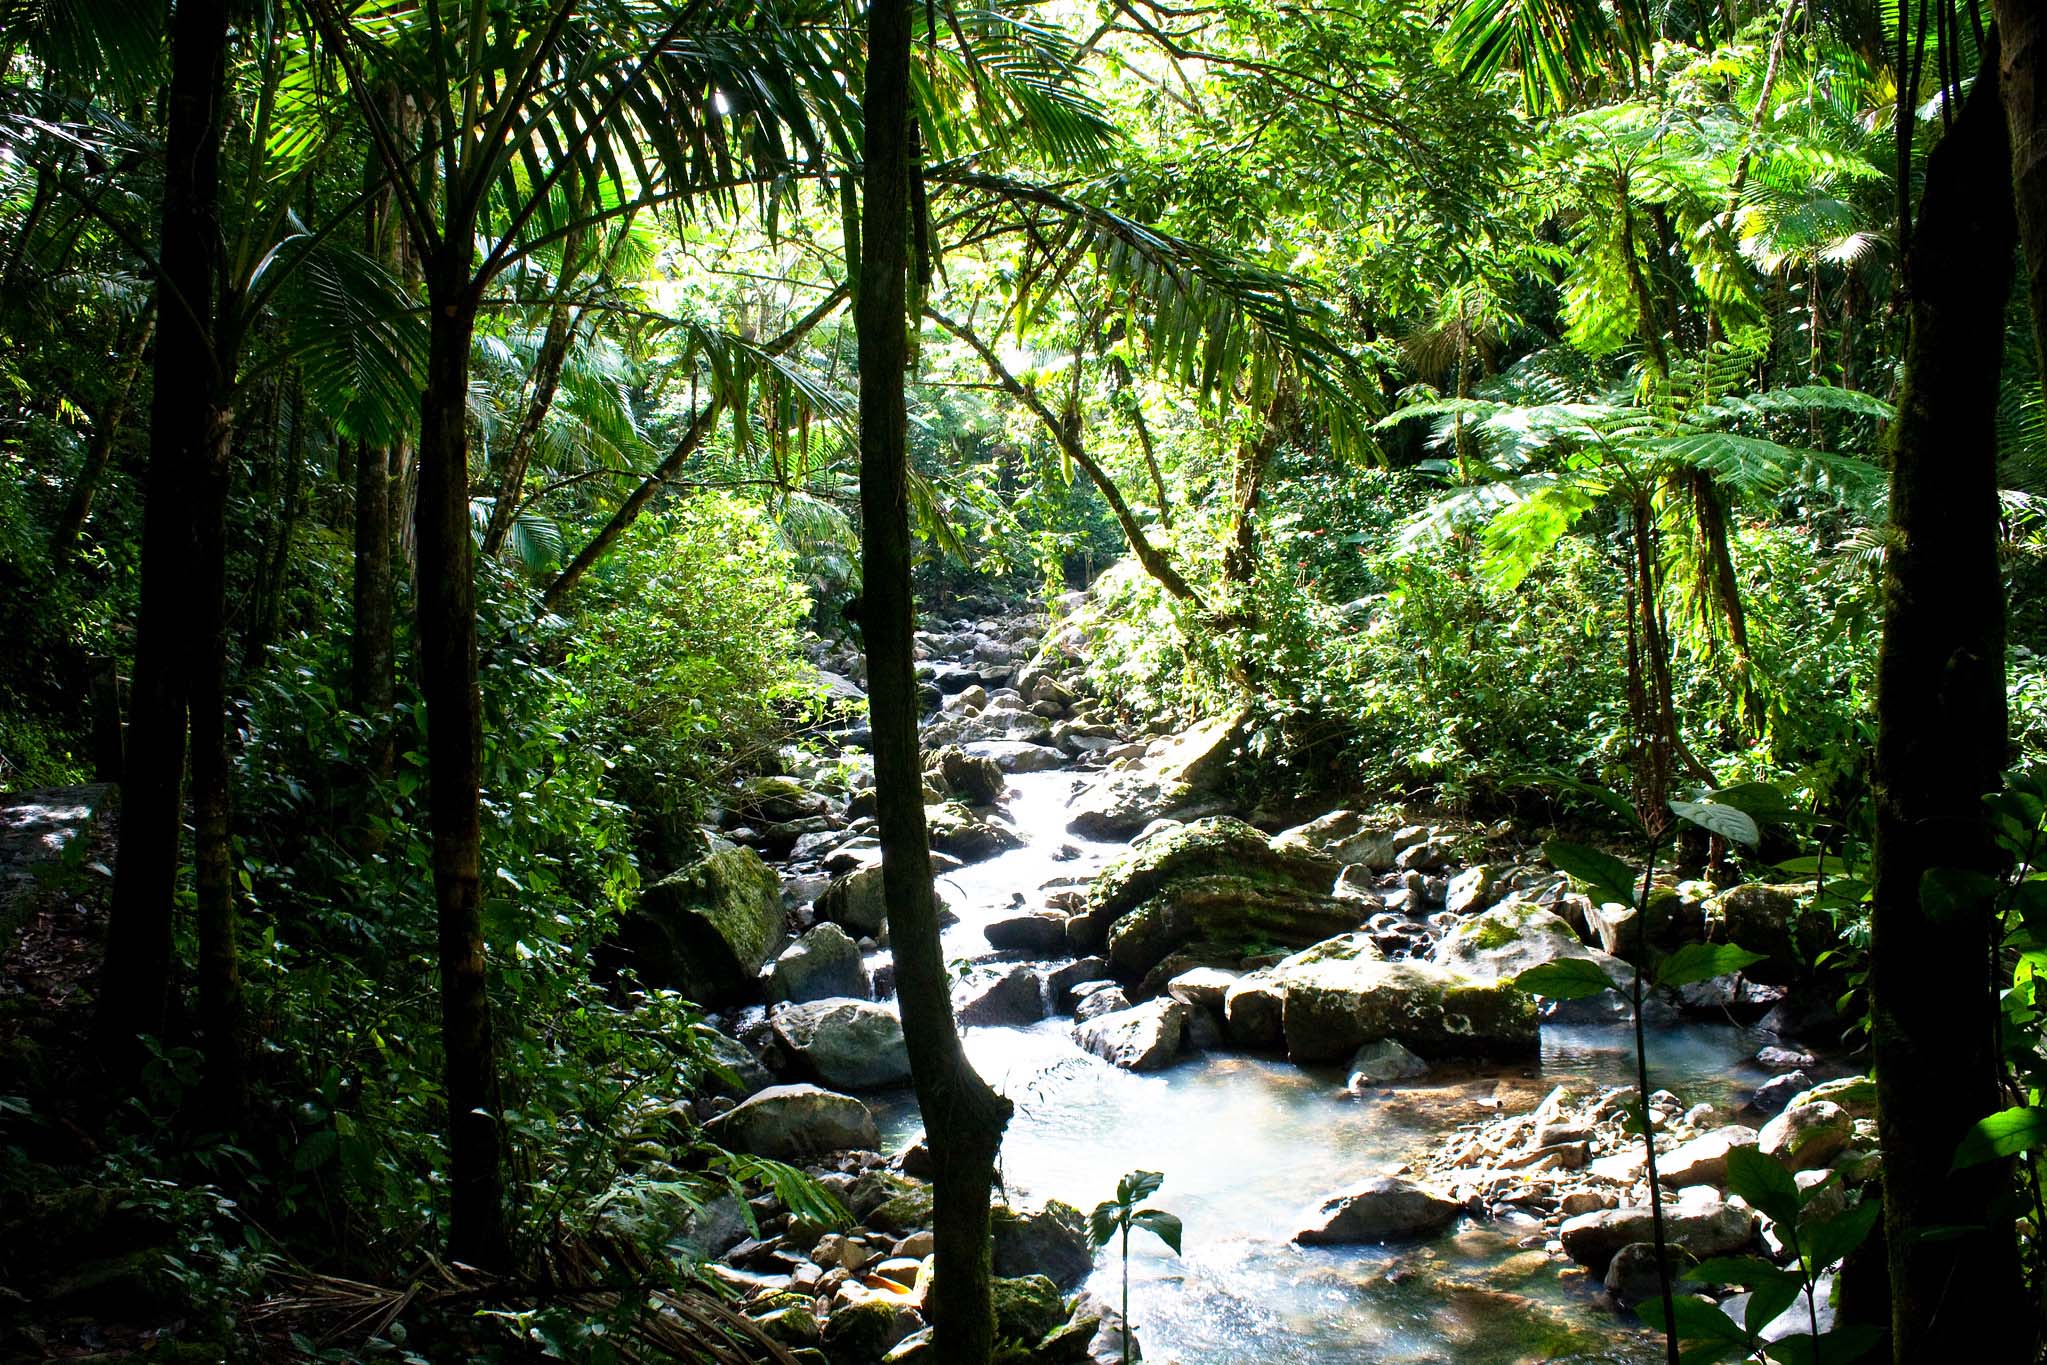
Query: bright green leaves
1118, 1216
2005, 1133
1725, 821
1568, 978
1703, 962
1613, 879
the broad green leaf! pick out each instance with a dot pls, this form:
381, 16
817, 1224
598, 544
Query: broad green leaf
2003, 1134
1138, 1185
1746, 1271
316, 1151
1695, 1319
1769, 1301
1725, 821
1764, 1183
1104, 1223
1703, 962
1160, 1224
1848, 1342
1829, 1240
1760, 800
1568, 978
1604, 873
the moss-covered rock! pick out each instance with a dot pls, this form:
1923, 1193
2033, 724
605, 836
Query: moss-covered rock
1776, 921
965, 835
1027, 1309
861, 1331
1334, 1006
1050, 1241
1512, 937
706, 930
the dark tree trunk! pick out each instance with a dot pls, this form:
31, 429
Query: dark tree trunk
135, 984
2020, 25
963, 1117
106, 427
1941, 745
372, 651
220, 983
547, 373
446, 591
268, 608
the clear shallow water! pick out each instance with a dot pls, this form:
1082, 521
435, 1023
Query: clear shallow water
1247, 1144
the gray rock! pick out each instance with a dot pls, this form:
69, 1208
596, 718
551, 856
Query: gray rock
1144, 1037
1703, 1160
1778, 1091
1061, 981
1348, 836
847, 1044
1716, 1229
747, 1075
1048, 1239
706, 930
1808, 1134
1380, 1062
1335, 1006
1634, 1274
1096, 1003
1383, 1209
1017, 756
1006, 995
1204, 987
787, 1122
1254, 1011
974, 779
823, 964
1037, 931
854, 900
1474, 889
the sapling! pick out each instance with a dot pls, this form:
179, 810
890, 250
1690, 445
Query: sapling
1115, 1217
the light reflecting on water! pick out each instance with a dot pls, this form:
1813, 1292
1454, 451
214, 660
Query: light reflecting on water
1247, 1144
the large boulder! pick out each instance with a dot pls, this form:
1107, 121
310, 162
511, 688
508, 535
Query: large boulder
777, 800
1335, 1006
1050, 1240
1703, 1160
1348, 837
1382, 1209
1017, 756
967, 836
1776, 921
999, 996
1512, 937
976, 780
789, 1122
848, 1044
824, 963
1808, 1135
854, 900
734, 1070
705, 930
1214, 881
1119, 804
1145, 1037
1254, 1010
1715, 1229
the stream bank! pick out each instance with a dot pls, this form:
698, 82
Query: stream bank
1281, 1023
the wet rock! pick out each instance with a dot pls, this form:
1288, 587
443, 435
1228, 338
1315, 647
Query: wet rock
860, 1331
706, 930
1784, 1059
847, 1044
1381, 1062
1144, 1037
854, 901
1703, 1160
1777, 1092
1048, 1239
1027, 1308
1094, 1004
1856, 1094
793, 1324
1016, 756
1204, 987
1715, 1229
1475, 889
747, 1075
1254, 1011
1635, 1274
1037, 931
1002, 996
958, 831
1061, 981
1808, 1134
777, 800
1334, 1007
974, 779
787, 1122
1383, 1209
1119, 804
822, 964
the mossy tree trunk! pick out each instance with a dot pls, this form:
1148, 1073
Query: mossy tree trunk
963, 1117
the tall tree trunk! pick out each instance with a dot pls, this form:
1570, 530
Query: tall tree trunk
2020, 25
106, 426
446, 592
963, 1117
268, 609
547, 374
220, 985
135, 983
1941, 745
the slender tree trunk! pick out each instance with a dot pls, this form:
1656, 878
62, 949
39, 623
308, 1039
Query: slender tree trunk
372, 648
547, 373
1725, 588
220, 984
1254, 462
1941, 746
2022, 31
1153, 561
963, 1117
446, 591
692, 438
106, 427
135, 983
269, 592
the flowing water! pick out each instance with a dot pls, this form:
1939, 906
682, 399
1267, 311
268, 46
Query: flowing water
1248, 1143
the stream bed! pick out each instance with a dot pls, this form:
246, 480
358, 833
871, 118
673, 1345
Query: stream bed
1248, 1143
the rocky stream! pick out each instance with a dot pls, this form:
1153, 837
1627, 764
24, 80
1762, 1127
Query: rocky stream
1380, 1149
